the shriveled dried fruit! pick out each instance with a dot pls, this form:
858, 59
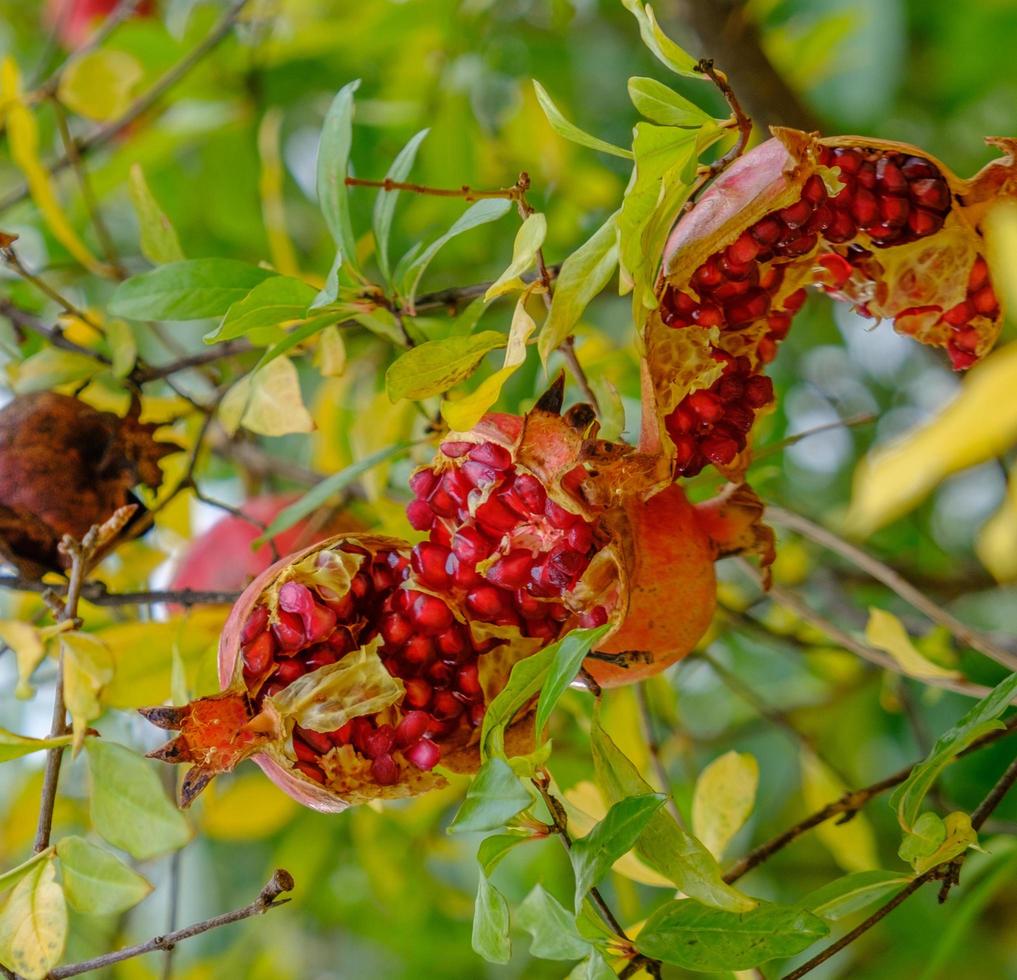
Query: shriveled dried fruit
880, 224
345, 679
64, 467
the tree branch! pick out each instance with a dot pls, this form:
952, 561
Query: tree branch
96, 593
280, 883
892, 580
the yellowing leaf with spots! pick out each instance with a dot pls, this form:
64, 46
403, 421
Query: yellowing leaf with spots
33, 923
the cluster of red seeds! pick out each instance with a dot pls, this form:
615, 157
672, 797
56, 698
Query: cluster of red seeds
498, 541
434, 655
889, 197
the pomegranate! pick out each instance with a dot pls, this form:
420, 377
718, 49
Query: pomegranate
64, 466
222, 560
880, 224
76, 20
345, 679
535, 523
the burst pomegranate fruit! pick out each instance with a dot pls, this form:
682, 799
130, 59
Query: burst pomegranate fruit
222, 559
345, 679
77, 20
880, 224
65, 467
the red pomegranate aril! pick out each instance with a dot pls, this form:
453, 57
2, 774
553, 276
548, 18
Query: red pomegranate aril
979, 275
597, 616
795, 300
559, 517
479, 474
430, 613
385, 771
477, 711
743, 249
360, 586
487, 602
866, 175
843, 198
985, 302
423, 754
719, 449
708, 315
445, 705
814, 190
768, 230
495, 518
468, 680
708, 276
779, 324
296, 598
759, 391
843, 228
311, 771
342, 736
732, 288
491, 454
318, 741
706, 405
889, 177
395, 629
418, 693
456, 449
849, 161
735, 270
258, 654
273, 688
531, 492
380, 742
418, 650
303, 751
752, 306
821, 219
289, 670
796, 214
894, 210
440, 673
423, 482
411, 728
420, 515
931, 193
289, 633
958, 315
256, 623
342, 606
361, 732
452, 643
580, 538
960, 359
740, 417
470, 546
540, 629
319, 623
965, 339
923, 222
321, 656
864, 207
512, 571
838, 270
464, 574
799, 246
428, 561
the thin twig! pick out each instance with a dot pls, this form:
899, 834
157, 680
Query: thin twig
280, 883
947, 871
466, 192
793, 602
171, 916
143, 103
10, 258
849, 804
81, 554
653, 747
738, 117
892, 579
226, 349
24, 320
853, 421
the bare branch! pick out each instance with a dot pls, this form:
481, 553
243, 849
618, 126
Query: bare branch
280, 883
97, 594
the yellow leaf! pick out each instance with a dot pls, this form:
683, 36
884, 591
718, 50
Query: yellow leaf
248, 808
723, 799
886, 632
996, 544
270, 186
99, 85
50, 368
23, 139
275, 406
465, 412
33, 923
1000, 226
331, 353
852, 844
88, 667
529, 239
979, 424
29, 650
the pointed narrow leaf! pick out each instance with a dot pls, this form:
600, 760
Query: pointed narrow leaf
385, 203
852, 893
886, 632
572, 132
157, 236
528, 242
663, 105
570, 651
268, 304
14, 746
662, 47
523, 685
332, 168
492, 849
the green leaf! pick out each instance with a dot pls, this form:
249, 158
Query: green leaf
687, 934
333, 165
96, 881
189, 290
434, 367
51, 367
325, 489
615, 835
570, 651
157, 236
385, 203
852, 893
664, 846
11, 877
552, 928
523, 685
661, 46
129, 806
100, 84
663, 105
983, 718
528, 242
581, 277
123, 347
269, 304
296, 336
572, 132
934, 841
14, 746
330, 292
33, 923
723, 798
492, 849
480, 213
594, 967
495, 796
491, 923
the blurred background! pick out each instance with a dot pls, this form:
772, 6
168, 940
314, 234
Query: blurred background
385, 892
